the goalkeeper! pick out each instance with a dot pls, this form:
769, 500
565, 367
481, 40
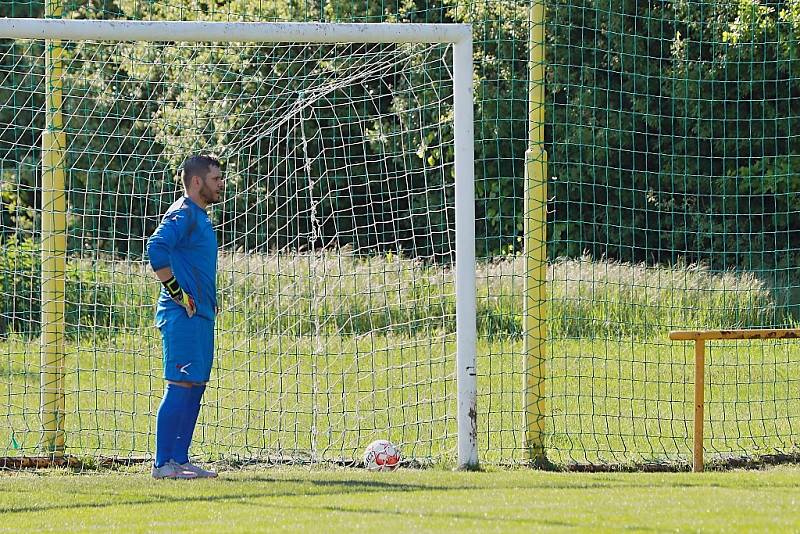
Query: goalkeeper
183, 254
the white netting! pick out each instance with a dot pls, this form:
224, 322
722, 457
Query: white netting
337, 322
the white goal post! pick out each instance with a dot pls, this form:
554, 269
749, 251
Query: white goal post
53, 248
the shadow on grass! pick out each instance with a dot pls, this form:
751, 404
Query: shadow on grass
310, 488
416, 514
462, 516
319, 488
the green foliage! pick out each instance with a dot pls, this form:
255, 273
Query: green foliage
89, 294
673, 132
112, 172
17, 218
654, 109
19, 284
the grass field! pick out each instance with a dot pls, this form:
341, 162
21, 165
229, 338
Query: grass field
345, 500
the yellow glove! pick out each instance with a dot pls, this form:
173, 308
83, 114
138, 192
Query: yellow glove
181, 297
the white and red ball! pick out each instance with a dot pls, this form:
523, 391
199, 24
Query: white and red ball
381, 455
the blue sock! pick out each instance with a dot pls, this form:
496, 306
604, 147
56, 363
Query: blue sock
168, 421
191, 410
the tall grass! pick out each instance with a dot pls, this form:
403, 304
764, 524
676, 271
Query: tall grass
606, 298
345, 294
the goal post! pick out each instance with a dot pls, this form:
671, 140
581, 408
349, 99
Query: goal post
54, 210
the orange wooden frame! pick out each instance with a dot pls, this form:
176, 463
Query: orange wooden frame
700, 337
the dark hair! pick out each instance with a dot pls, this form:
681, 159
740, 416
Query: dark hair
198, 166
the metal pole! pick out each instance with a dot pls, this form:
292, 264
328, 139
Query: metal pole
53, 250
197, 31
699, 402
466, 336
535, 246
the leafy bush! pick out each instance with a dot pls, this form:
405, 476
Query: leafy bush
19, 286
89, 294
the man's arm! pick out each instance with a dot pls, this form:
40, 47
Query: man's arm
159, 249
164, 274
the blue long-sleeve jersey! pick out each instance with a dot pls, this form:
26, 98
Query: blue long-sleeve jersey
186, 242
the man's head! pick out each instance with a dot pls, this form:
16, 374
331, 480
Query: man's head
202, 179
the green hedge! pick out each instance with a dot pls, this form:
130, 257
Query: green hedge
673, 132
670, 129
90, 309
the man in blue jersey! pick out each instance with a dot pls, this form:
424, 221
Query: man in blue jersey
183, 254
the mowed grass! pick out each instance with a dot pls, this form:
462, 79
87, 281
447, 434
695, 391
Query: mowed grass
611, 402
345, 500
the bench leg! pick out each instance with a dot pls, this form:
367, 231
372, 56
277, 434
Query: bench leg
699, 402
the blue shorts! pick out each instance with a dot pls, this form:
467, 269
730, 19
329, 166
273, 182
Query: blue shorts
188, 346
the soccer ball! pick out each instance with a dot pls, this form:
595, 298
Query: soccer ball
381, 455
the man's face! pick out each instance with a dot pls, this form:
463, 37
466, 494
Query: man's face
211, 186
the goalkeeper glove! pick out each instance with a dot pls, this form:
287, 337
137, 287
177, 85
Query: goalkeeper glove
181, 297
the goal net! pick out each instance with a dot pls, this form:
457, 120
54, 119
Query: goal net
347, 156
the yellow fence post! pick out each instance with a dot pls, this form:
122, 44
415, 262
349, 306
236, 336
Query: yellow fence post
535, 246
53, 250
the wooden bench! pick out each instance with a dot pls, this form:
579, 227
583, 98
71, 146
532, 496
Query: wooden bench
700, 337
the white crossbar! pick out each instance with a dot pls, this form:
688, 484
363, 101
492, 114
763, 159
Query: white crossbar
275, 32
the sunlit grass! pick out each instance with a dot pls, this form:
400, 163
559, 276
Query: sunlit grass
318, 354
302, 500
